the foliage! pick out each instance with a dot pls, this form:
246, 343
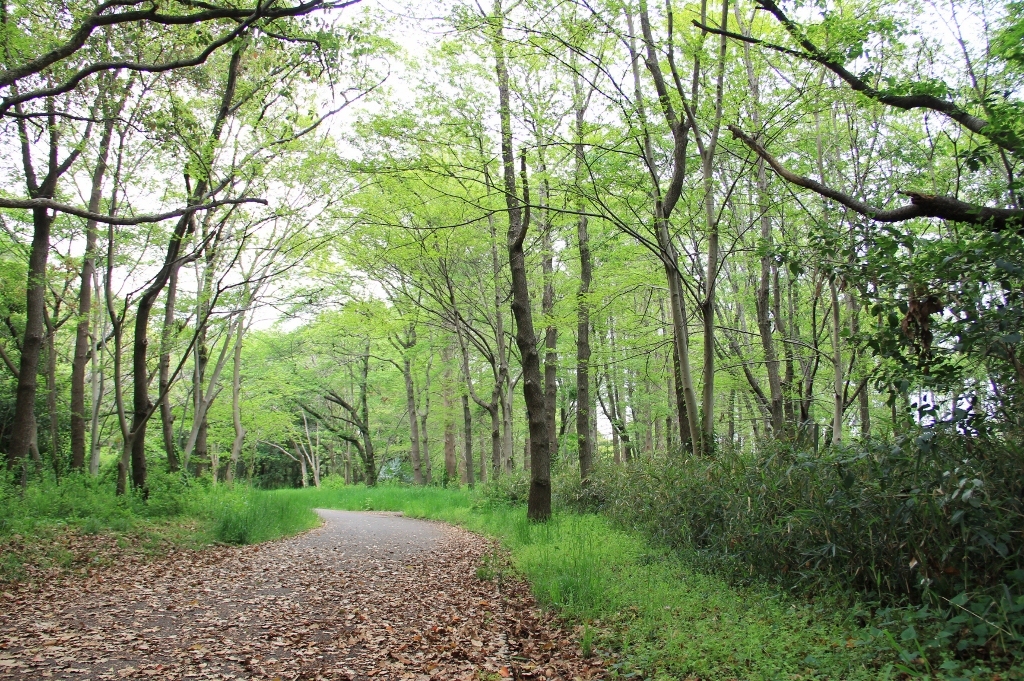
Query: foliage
920, 534
251, 517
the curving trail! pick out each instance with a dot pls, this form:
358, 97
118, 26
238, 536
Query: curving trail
366, 595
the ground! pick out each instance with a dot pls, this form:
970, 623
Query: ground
367, 595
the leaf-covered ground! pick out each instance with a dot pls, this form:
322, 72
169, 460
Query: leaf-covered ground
327, 604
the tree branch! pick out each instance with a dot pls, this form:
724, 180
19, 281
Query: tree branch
921, 205
29, 204
1003, 138
99, 19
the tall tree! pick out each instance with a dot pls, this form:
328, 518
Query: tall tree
539, 502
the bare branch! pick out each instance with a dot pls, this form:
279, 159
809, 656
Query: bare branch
100, 18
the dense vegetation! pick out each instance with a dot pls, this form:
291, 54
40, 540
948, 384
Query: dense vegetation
745, 278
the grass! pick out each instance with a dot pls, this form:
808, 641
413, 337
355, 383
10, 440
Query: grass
248, 517
37, 524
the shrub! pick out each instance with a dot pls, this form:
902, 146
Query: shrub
511, 487
887, 520
932, 521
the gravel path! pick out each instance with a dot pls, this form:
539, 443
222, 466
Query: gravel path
367, 595
373, 535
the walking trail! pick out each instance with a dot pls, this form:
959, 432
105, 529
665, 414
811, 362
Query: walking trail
366, 595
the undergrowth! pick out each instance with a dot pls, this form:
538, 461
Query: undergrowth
920, 539
681, 570
886, 560
177, 512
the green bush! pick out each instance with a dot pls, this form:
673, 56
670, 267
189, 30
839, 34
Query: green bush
925, 529
886, 520
511, 487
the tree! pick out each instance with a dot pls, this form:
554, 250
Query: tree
539, 508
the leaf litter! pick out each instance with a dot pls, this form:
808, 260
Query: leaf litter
286, 610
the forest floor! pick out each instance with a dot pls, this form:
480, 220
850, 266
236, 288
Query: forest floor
366, 595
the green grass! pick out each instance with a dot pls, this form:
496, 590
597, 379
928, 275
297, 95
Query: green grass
35, 523
248, 517
657, 616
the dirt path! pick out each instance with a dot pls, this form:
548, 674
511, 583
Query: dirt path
367, 595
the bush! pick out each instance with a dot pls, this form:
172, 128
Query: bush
932, 521
511, 487
238, 516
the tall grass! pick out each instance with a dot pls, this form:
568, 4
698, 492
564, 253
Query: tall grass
416, 502
920, 537
250, 517
238, 515
683, 570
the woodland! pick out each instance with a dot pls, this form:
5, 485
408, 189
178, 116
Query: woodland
745, 277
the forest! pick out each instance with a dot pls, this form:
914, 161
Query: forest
744, 278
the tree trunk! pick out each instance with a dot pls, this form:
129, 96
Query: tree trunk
451, 466
837, 359
495, 436
863, 398
24, 423
508, 448
23, 426
762, 299
547, 306
141, 406
708, 150
618, 422
414, 434
96, 383
663, 206
202, 351
616, 447
467, 440
617, 416
236, 398
427, 472
167, 333
503, 385
301, 458
369, 457
82, 339
483, 461
348, 463
51, 393
539, 502
117, 330
205, 398
732, 418
788, 326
